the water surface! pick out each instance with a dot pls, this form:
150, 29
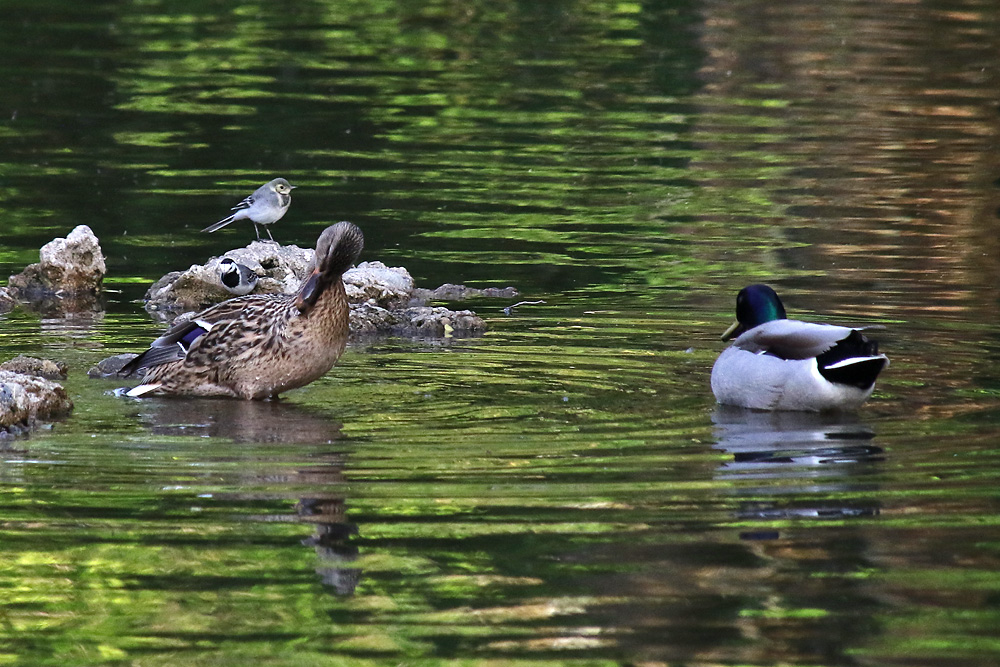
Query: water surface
563, 487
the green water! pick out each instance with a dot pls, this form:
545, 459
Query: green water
564, 487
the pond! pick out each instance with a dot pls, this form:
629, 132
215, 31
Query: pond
563, 487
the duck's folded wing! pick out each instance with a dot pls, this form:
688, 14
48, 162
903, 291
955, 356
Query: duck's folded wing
232, 308
792, 339
171, 346
175, 343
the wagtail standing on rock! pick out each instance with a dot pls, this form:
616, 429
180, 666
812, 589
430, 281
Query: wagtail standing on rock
264, 207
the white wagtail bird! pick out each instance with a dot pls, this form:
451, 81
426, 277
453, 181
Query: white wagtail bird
237, 278
264, 207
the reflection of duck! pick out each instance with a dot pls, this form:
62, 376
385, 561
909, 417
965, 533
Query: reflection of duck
240, 421
269, 423
260, 345
780, 444
332, 542
781, 364
799, 449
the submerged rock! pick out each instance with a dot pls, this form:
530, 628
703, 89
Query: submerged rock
112, 365
438, 322
26, 399
68, 276
383, 299
449, 292
369, 320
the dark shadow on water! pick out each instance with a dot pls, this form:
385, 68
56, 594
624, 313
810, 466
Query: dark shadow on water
807, 460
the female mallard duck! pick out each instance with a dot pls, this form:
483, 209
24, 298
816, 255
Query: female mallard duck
257, 346
781, 364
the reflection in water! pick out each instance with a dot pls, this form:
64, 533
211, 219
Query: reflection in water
77, 328
275, 422
332, 542
631, 164
795, 453
238, 421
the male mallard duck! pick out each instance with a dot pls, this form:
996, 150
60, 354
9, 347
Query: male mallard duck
781, 364
259, 345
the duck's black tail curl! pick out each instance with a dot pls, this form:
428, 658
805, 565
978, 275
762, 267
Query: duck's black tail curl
853, 361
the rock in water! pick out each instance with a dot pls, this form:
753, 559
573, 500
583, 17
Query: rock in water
112, 365
7, 301
45, 368
280, 270
68, 275
389, 287
72, 265
25, 399
383, 299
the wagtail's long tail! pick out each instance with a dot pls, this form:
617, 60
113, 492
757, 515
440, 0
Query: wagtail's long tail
220, 224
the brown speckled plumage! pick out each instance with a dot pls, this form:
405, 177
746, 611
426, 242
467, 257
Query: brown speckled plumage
257, 346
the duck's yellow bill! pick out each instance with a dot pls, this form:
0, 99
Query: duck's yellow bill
728, 333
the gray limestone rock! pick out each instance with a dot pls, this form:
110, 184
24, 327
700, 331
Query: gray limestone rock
44, 368
383, 299
279, 269
26, 399
68, 276
71, 265
389, 287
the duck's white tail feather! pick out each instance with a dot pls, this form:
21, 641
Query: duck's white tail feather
856, 360
142, 389
860, 372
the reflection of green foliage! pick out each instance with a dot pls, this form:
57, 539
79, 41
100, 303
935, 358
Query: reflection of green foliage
199, 557
573, 152
465, 114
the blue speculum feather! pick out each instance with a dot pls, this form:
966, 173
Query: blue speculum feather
190, 337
